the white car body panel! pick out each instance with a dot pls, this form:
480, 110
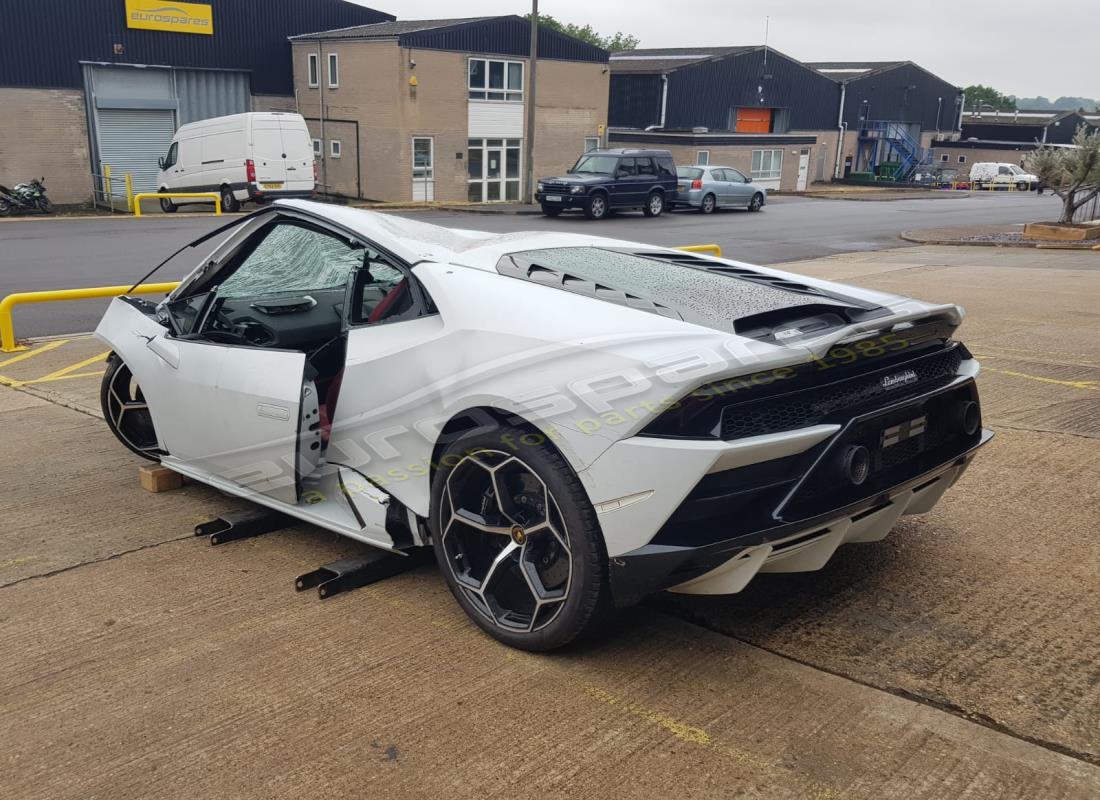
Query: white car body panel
251, 437
588, 374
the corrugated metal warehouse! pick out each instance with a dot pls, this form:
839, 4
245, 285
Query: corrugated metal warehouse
108, 81
783, 121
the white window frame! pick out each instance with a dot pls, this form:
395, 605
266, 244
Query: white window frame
962, 159
773, 172
945, 158
507, 146
591, 143
313, 70
482, 91
702, 158
429, 171
333, 70
318, 148
335, 148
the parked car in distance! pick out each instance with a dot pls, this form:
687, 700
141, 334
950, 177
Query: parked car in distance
1002, 174
605, 180
709, 188
258, 156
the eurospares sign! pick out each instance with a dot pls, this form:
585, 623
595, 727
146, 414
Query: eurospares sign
158, 15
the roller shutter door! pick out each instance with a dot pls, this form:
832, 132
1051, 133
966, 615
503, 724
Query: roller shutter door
753, 120
131, 141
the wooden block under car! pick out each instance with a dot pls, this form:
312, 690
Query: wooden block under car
155, 478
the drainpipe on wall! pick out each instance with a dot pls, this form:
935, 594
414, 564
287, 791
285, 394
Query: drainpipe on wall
321, 75
664, 99
842, 128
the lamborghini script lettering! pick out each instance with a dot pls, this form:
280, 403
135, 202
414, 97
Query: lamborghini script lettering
900, 379
570, 424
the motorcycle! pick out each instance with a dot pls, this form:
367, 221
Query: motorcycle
25, 197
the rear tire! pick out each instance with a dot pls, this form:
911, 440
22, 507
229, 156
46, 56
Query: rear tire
708, 205
5, 208
533, 572
654, 204
597, 206
757, 202
229, 202
551, 211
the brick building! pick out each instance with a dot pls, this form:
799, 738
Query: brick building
436, 109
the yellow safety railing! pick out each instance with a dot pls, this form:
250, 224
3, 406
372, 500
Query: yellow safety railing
8, 342
169, 195
713, 249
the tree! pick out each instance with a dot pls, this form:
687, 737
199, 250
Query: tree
979, 97
1073, 173
620, 41
1041, 103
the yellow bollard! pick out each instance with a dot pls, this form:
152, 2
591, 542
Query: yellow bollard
713, 249
129, 194
217, 198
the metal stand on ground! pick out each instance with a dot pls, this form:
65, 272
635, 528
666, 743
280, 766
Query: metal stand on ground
352, 573
243, 525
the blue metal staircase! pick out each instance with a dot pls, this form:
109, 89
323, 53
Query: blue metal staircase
901, 148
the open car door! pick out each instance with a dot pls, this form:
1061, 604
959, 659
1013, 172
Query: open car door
225, 412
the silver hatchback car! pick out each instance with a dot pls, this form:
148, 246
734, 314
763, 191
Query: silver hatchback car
708, 188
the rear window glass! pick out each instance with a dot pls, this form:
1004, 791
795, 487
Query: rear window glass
694, 292
691, 173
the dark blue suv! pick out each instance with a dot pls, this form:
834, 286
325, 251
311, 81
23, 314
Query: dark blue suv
603, 180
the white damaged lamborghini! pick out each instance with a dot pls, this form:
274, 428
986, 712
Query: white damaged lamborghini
571, 422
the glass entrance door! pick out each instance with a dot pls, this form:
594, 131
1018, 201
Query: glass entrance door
493, 170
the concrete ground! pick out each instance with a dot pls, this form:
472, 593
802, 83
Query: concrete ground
38, 253
957, 658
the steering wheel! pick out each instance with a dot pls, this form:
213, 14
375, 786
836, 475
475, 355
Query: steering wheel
225, 330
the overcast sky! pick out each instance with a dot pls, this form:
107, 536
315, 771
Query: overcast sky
1046, 48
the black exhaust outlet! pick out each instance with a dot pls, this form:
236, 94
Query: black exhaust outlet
967, 417
855, 463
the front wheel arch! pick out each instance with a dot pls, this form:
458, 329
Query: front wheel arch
111, 399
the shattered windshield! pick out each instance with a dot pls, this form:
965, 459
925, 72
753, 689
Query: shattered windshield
293, 258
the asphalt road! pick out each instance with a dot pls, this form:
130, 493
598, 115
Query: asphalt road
38, 254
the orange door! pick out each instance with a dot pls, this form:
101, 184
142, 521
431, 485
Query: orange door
754, 120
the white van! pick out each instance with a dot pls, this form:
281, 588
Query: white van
1002, 174
258, 156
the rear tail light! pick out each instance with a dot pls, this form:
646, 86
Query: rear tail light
697, 183
315, 172
250, 170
